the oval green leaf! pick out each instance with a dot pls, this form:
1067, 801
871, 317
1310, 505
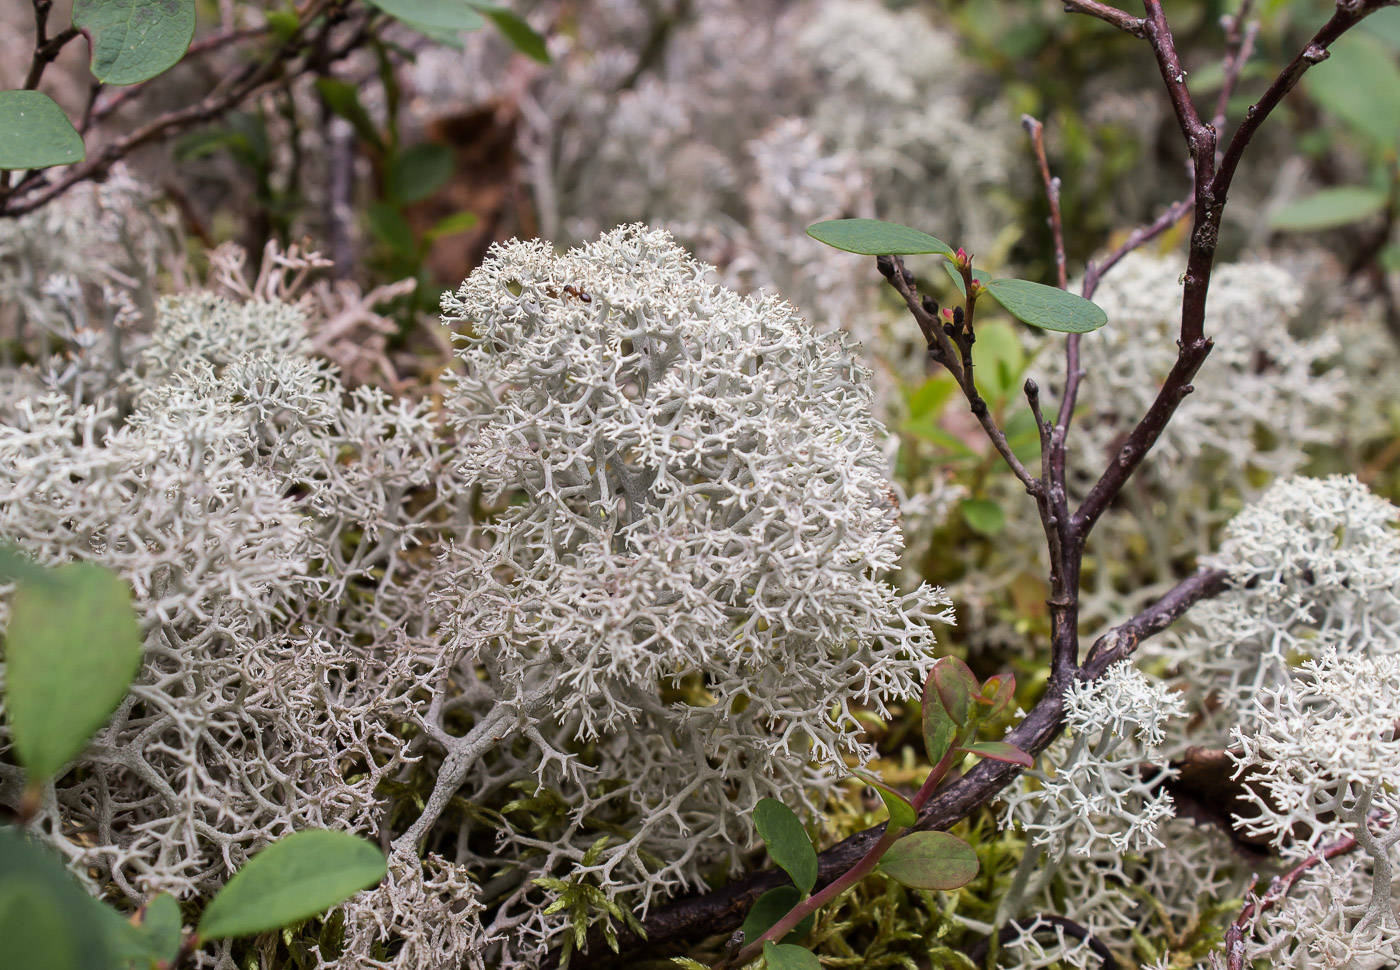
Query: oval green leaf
773, 906
785, 956
787, 842
71, 652
514, 29
984, 516
35, 133
871, 237
902, 813
1000, 751
134, 40
46, 919
1329, 209
930, 860
292, 879
420, 170
163, 926
1360, 84
442, 14
1047, 307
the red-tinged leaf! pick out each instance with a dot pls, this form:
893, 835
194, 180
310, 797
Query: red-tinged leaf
939, 729
998, 692
930, 860
956, 686
1000, 751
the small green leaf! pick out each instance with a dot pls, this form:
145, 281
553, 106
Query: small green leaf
292, 879
134, 40
787, 842
35, 133
514, 29
1330, 208
773, 906
930, 397
1047, 307
998, 361
1000, 751
420, 170
785, 956
871, 237
930, 860
283, 24
981, 276
390, 227
983, 515
690, 964
16, 567
956, 686
1390, 257
453, 15
1360, 84
72, 649
902, 813
163, 926
940, 731
343, 98
998, 692
46, 919
458, 222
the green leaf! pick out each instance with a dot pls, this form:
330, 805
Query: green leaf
458, 222
930, 397
1000, 751
390, 227
292, 879
871, 237
46, 919
902, 813
134, 40
283, 24
940, 730
1360, 84
72, 649
1384, 24
1330, 208
998, 361
454, 15
1047, 307
35, 133
981, 276
785, 956
163, 925
983, 515
773, 906
16, 567
787, 842
1390, 257
343, 98
156, 939
514, 28
420, 170
690, 964
930, 860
